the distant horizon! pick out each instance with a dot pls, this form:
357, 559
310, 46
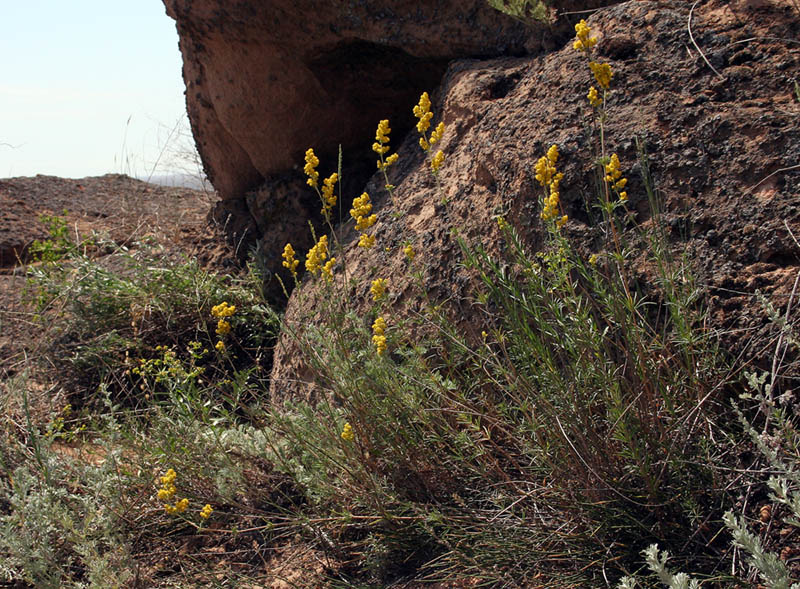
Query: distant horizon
93, 88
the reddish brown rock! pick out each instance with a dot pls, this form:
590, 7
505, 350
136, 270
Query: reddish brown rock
722, 148
266, 80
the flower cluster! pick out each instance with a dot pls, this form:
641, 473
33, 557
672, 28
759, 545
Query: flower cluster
168, 490
583, 42
362, 207
602, 71
378, 335
205, 513
614, 177
310, 169
289, 260
328, 196
409, 252
222, 312
347, 433
317, 255
381, 145
550, 178
378, 289
423, 112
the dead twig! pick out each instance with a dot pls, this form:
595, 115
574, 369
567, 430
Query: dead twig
696, 46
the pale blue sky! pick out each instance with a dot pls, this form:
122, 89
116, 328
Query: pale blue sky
73, 72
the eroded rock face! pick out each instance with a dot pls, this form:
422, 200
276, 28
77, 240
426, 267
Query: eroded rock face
722, 149
266, 80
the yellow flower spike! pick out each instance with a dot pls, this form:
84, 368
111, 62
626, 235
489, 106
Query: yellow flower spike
164, 495
379, 326
312, 161
437, 161
327, 269
378, 289
366, 241
317, 255
388, 161
347, 433
602, 73
583, 42
222, 311
220, 346
594, 97
593, 259
180, 506
223, 327
170, 509
437, 133
561, 222
421, 111
552, 154
328, 196
623, 196
382, 138
288, 259
206, 512
361, 206
409, 252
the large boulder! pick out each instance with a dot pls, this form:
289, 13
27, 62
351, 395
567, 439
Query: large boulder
266, 80
719, 122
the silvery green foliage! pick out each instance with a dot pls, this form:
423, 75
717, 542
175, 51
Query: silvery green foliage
769, 566
658, 566
51, 532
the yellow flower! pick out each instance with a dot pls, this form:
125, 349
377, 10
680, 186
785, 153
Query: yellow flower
378, 338
180, 506
437, 161
361, 212
423, 112
169, 509
437, 133
366, 241
423, 143
169, 477
205, 513
220, 346
317, 255
347, 433
164, 495
378, 289
382, 138
594, 97
623, 196
561, 222
288, 259
327, 269
223, 327
380, 344
223, 310
583, 42
409, 252
593, 259
328, 197
545, 168
602, 73
310, 168
382, 165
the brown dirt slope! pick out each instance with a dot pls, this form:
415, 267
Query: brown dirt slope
122, 208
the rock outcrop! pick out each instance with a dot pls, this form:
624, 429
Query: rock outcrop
720, 125
265, 80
